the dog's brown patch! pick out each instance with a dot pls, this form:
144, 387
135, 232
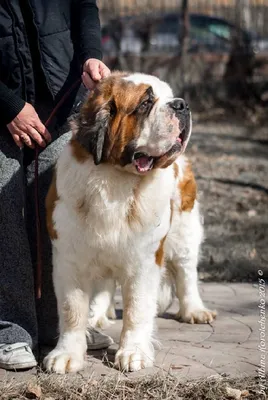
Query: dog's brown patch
82, 207
159, 254
133, 216
51, 198
78, 151
115, 103
67, 368
171, 210
176, 170
188, 189
126, 125
71, 316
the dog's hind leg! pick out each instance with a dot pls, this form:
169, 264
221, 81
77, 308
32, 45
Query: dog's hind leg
101, 303
166, 292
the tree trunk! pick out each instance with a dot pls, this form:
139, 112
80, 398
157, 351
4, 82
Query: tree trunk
183, 39
240, 67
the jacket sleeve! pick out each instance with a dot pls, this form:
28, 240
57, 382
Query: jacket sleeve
10, 104
89, 31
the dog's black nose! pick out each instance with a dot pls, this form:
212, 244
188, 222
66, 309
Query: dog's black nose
179, 105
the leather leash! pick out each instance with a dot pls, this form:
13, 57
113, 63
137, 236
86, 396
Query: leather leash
39, 264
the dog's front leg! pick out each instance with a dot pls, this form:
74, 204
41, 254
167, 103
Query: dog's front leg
72, 292
140, 306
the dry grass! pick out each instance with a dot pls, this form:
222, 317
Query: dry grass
160, 387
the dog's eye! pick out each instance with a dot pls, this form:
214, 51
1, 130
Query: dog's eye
145, 105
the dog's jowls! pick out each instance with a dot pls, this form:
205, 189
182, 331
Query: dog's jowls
122, 207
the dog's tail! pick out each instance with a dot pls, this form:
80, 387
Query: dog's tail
166, 293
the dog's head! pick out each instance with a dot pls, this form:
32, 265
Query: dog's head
133, 121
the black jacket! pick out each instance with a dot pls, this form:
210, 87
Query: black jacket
43, 45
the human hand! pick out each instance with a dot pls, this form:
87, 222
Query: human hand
26, 128
93, 71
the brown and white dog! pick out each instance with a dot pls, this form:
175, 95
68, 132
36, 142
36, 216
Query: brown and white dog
123, 207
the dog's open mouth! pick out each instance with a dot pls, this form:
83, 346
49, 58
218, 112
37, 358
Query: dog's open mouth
181, 137
143, 162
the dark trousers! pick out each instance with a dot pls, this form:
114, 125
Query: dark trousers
22, 318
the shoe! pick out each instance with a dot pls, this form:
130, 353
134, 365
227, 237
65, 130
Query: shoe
97, 340
16, 356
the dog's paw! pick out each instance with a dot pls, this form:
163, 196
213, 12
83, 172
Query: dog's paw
196, 315
102, 323
134, 358
62, 361
111, 313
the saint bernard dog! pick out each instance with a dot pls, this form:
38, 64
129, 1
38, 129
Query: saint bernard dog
122, 207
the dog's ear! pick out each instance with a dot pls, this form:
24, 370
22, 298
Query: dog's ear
93, 127
97, 133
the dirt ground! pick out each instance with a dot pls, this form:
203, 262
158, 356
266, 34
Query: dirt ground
230, 160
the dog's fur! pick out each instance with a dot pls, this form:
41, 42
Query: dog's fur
123, 207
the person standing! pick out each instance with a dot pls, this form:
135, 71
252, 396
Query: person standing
45, 46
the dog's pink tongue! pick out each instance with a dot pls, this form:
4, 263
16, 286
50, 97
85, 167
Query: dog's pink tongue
143, 164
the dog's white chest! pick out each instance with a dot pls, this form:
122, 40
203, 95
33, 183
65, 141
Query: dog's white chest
121, 228
116, 218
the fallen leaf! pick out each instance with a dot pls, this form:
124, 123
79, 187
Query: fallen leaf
236, 394
252, 213
252, 254
33, 391
233, 393
176, 366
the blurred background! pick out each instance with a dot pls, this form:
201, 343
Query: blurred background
214, 53
208, 50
